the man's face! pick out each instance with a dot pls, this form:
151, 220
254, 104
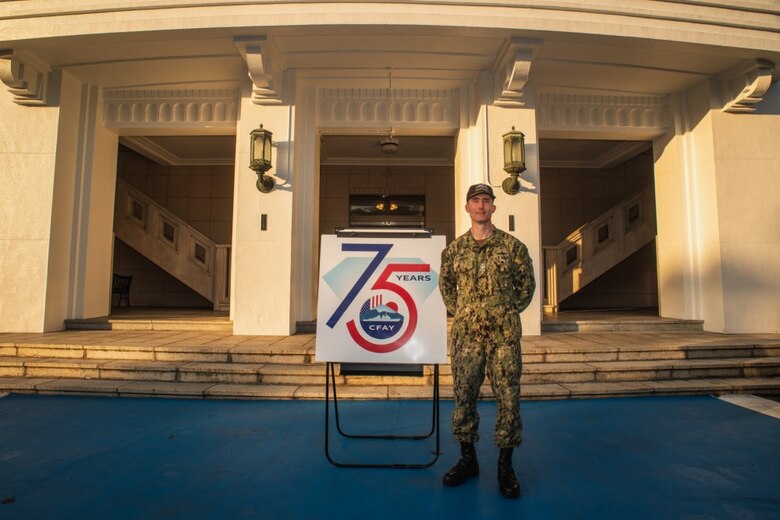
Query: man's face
480, 208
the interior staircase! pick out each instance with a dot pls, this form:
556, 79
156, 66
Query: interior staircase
218, 365
172, 244
598, 246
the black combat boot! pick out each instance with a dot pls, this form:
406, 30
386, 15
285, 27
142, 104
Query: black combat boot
466, 467
507, 481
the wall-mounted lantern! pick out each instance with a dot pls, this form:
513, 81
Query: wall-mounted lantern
514, 160
260, 159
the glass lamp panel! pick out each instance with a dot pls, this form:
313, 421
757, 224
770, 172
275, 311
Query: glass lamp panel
267, 148
517, 149
257, 147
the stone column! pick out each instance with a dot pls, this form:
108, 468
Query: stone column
261, 294
59, 171
82, 243
28, 141
687, 215
306, 201
480, 159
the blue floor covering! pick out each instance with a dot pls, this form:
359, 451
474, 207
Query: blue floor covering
634, 458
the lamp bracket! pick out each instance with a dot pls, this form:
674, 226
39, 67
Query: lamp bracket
511, 185
264, 184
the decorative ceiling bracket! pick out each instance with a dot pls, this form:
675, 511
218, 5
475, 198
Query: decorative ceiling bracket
513, 69
26, 77
745, 86
262, 61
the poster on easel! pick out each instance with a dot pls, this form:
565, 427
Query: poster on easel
379, 300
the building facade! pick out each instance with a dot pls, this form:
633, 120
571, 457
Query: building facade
651, 132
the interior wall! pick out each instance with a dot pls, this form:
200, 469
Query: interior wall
571, 197
435, 182
202, 196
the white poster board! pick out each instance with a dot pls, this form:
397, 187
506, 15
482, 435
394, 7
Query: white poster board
379, 300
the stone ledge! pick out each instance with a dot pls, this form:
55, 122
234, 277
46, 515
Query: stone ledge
221, 368
163, 388
602, 388
297, 380
410, 392
291, 369
15, 384
251, 392
387, 380
269, 349
343, 392
49, 350
113, 353
190, 356
544, 391
270, 358
100, 386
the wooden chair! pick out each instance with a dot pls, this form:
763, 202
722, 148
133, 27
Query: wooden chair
121, 286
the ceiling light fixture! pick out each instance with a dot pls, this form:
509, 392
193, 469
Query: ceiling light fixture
389, 145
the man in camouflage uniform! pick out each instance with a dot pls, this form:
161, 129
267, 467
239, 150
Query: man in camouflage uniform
486, 280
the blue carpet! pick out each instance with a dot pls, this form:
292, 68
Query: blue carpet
643, 458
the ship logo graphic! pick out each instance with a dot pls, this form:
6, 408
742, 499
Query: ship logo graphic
379, 320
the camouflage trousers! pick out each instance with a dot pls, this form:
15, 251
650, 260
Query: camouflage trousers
503, 364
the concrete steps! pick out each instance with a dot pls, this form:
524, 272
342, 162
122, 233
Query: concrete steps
122, 388
217, 365
579, 322
159, 324
313, 374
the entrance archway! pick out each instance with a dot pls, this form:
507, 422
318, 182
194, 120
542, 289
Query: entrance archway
598, 225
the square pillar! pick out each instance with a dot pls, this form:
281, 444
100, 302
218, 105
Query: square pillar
261, 282
689, 264
28, 141
480, 158
59, 170
82, 223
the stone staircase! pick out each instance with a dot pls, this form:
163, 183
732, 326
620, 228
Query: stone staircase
214, 364
173, 245
597, 246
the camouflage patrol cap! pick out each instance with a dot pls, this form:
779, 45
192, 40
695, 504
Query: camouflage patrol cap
479, 189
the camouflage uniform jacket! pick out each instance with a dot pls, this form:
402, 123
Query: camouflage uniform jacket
487, 286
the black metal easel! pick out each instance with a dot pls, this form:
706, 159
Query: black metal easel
380, 369
396, 370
